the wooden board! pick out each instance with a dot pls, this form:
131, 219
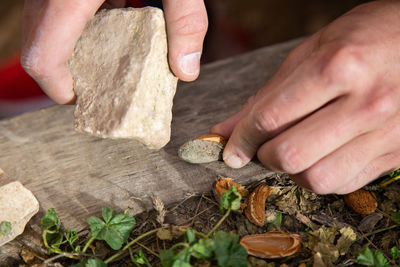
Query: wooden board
77, 174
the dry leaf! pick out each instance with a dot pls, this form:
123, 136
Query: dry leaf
160, 208
320, 242
255, 210
273, 244
297, 199
361, 201
347, 238
173, 232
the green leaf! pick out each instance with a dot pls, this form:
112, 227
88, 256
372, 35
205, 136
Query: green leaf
5, 227
170, 259
167, 257
95, 263
191, 236
181, 263
203, 249
230, 199
51, 221
374, 259
107, 213
395, 173
90, 263
395, 253
277, 222
114, 230
396, 217
71, 236
228, 251
140, 258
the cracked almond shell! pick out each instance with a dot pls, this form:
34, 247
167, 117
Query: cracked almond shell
223, 184
361, 201
203, 149
255, 210
271, 245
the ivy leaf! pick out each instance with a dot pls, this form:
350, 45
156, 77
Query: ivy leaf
95, 263
191, 236
115, 229
374, 259
167, 257
90, 263
181, 263
71, 236
51, 226
230, 199
228, 251
5, 227
170, 259
395, 253
140, 258
203, 249
51, 221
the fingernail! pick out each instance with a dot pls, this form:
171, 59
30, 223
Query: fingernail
190, 64
233, 161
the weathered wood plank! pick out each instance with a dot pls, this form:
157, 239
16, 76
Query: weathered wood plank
77, 174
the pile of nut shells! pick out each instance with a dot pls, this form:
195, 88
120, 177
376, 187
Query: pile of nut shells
272, 244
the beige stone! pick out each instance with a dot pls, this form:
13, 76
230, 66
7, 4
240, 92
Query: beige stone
122, 79
17, 206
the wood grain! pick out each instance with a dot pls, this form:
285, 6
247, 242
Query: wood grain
77, 174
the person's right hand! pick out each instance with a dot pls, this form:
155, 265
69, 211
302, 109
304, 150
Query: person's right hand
52, 27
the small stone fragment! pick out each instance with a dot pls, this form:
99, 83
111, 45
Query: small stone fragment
361, 201
255, 210
271, 245
122, 79
17, 206
203, 149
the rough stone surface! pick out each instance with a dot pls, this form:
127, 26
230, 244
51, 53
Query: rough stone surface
17, 206
122, 79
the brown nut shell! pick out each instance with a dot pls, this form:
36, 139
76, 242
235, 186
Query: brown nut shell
213, 138
271, 245
361, 201
223, 184
255, 210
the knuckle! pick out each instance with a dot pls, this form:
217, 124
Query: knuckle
265, 121
382, 106
288, 157
191, 24
343, 64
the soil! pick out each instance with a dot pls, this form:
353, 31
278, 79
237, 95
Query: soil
303, 213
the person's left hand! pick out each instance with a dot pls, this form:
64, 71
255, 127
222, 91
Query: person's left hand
330, 116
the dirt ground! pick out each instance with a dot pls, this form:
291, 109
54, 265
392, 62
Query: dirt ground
319, 220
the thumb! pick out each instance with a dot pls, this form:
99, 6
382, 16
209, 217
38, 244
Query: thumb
186, 27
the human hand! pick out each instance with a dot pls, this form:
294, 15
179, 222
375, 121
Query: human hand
330, 116
52, 27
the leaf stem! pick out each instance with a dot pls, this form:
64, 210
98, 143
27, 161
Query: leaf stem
381, 230
119, 253
88, 244
148, 249
201, 234
219, 222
